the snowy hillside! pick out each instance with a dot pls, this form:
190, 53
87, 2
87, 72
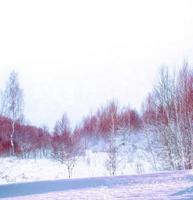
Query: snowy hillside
162, 186
14, 170
132, 158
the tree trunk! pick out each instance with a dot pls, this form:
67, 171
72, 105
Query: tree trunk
12, 142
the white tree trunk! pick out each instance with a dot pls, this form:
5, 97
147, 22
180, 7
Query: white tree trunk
12, 142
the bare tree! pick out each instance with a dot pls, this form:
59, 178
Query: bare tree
66, 151
12, 104
171, 117
184, 113
112, 150
62, 127
66, 148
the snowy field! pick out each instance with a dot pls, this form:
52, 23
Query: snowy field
41, 179
167, 185
13, 170
92, 164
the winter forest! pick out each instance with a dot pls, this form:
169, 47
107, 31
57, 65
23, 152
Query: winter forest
161, 134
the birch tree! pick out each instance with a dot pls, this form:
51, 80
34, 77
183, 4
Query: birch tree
12, 107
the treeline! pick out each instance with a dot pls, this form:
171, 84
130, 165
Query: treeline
30, 141
167, 114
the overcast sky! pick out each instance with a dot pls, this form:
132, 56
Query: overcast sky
73, 56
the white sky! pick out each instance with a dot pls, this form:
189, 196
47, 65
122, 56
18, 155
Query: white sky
73, 56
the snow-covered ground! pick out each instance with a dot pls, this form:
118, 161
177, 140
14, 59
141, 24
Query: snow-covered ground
133, 158
14, 170
167, 185
22, 179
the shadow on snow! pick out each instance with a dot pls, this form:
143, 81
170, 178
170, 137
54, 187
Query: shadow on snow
185, 193
41, 187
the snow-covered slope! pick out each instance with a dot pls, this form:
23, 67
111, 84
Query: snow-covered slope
14, 170
22, 179
162, 186
133, 158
